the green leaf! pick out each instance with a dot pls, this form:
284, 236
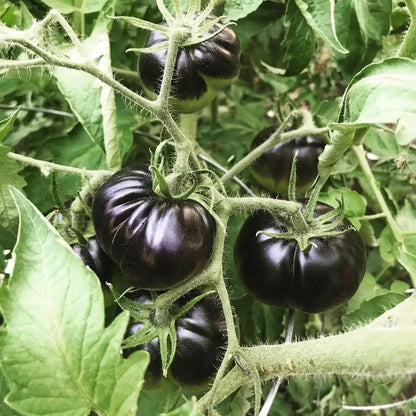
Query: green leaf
354, 204
388, 246
373, 308
407, 259
299, 40
381, 93
187, 409
70, 6
241, 403
382, 143
55, 347
4, 390
320, 15
107, 96
361, 26
155, 402
7, 124
373, 18
367, 290
93, 103
237, 9
9, 175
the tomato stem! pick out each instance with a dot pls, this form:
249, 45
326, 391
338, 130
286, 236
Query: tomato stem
366, 169
48, 167
189, 124
275, 138
279, 207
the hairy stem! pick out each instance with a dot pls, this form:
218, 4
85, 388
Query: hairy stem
277, 206
189, 125
274, 139
27, 63
54, 167
51, 59
373, 352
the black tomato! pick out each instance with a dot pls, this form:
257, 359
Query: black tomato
95, 258
272, 168
200, 70
91, 253
157, 242
201, 343
277, 272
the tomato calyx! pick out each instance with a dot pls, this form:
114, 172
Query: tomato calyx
296, 227
157, 323
199, 185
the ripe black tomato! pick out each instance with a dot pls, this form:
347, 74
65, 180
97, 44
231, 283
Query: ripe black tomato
200, 70
91, 253
272, 169
201, 342
277, 272
157, 242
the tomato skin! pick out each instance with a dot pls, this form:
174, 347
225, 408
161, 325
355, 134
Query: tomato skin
157, 242
95, 258
91, 253
272, 169
277, 272
201, 343
199, 71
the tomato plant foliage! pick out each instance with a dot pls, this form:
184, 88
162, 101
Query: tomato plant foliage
151, 154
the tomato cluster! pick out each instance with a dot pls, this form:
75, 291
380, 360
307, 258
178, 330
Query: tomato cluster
158, 242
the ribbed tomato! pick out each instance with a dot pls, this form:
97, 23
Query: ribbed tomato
277, 272
157, 242
199, 72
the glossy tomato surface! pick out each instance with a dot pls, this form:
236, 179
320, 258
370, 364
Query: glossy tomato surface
272, 168
157, 242
277, 272
201, 343
95, 258
200, 70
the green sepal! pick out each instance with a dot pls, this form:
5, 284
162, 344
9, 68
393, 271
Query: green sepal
147, 333
160, 186
167, 343
140, 312
142, 24
150, 49
188, 305
292, 179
